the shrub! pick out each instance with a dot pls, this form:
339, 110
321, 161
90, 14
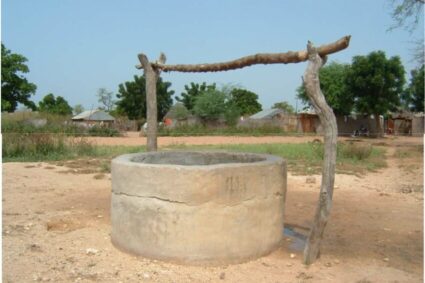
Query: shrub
43, 146
99, 131
355, 151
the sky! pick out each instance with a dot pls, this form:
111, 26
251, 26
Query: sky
75, 47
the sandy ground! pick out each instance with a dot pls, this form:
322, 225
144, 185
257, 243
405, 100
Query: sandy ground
56, 227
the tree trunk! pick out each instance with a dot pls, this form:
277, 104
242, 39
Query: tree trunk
151, 77
261, 58
328, 120
378, 126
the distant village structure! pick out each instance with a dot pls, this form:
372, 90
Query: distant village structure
308, 122
91, 118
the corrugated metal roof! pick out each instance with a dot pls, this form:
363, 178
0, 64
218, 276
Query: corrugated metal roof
267, 113
94, 115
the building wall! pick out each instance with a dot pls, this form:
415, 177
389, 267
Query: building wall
347, 125
418, 126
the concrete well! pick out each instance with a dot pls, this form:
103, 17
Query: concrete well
198, 207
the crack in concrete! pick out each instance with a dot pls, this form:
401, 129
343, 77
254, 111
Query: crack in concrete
151, 197
241, 202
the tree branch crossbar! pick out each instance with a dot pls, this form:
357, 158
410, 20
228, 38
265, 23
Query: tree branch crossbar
260, 58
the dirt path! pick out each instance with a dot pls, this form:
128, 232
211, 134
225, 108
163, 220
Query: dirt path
56, 229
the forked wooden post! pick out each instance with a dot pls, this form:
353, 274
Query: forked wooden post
151, 77
328, 120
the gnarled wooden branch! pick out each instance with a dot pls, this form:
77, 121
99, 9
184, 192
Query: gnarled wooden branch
261, 58
151, 77
328, 120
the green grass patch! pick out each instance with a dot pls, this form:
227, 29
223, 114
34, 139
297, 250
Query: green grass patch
307, 158
409, 151
303, 158
200, 130
27, 147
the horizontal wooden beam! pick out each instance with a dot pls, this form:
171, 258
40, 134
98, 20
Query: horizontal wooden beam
260, 58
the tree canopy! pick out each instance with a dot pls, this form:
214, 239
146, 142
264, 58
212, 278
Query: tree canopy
15, 88
78, 109
132, 98
376, 82
285, 106
407, 14
106, 99
246, 101
210, 105
414, 93
54, 105
333, 84
192, 91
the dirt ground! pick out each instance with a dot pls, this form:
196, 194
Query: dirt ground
56, 226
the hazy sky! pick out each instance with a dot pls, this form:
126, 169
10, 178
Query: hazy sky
75, 47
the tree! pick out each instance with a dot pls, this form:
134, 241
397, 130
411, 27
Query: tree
78, 109
376, 83
105, 98
210, 105
188, 97
414, 94
285, 106
405, 11
58, 105
179, 111
132, 98
407, 15
15, 88
333, 84
245, 100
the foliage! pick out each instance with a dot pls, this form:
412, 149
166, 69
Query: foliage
42, 146
414, 94
405, 11
232, 114
53, 105
15, 88
333, 84
99, 131
23, 123
285, 106
245, 100
132, 98
376, 82
202, 130
78, 109
105, 98
210, 105
188, 97
408, 14
303, 158
179, 111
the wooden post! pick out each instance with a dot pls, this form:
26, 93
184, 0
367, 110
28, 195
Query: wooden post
328, 120
151, 77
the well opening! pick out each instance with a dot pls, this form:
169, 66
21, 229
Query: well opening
196, 158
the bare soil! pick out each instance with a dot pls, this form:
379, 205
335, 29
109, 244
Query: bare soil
56, 225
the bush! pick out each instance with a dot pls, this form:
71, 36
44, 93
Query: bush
200, 130
43, 146
355, 151
345, 150
25, 122
99, 131
210, 105
231, 115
